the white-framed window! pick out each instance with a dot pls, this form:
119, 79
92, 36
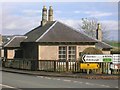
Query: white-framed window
62, 53
71, 53
67, 53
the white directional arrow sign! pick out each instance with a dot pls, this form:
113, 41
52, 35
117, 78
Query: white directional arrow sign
97, 58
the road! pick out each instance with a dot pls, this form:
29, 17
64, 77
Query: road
14, 80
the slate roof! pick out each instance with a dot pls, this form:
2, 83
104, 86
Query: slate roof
15, 41
56, 32
103, 45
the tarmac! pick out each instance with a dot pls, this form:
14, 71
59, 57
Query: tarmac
62, 74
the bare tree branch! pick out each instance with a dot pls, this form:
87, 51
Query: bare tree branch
89, 26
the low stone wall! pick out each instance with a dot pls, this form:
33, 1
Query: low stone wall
18, 64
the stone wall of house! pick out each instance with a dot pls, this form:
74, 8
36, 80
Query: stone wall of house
48, 52
51, 52
2, 53
106, 51
10, 54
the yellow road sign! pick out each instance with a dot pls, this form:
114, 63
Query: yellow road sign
89, 66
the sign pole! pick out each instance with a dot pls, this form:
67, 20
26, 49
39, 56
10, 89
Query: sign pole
88, 70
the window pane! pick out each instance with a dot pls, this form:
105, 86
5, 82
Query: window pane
64, 48
60, 48
69, 48
64, 52
60, 52
69, 52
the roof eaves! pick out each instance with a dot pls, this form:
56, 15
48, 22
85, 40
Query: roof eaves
9, 41
101, 42
46, 31
107, 44
104, 43
13, 39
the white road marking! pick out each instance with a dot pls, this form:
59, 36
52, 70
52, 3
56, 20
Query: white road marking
58, 79
45, 77
48, 78
75, 81
6, 86
80, 82
89, 83
40, 76
104, 85
67, 80
53, 78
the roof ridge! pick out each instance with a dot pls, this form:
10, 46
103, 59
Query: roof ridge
46, 31
31, 30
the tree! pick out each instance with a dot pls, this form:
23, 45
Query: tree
89, 26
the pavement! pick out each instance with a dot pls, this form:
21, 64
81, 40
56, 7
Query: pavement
65, 74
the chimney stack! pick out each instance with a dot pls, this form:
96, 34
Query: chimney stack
99, 32
44, 16
50, 14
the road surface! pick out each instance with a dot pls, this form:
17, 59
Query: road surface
19, 81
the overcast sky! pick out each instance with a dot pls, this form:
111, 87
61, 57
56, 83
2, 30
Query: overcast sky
21, 17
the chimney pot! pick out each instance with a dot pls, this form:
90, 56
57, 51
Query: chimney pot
50, 16
99, 32
44, 16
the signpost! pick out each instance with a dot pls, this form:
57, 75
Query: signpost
107, 62
97, 58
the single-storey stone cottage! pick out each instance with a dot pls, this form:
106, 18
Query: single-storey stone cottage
53, 40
